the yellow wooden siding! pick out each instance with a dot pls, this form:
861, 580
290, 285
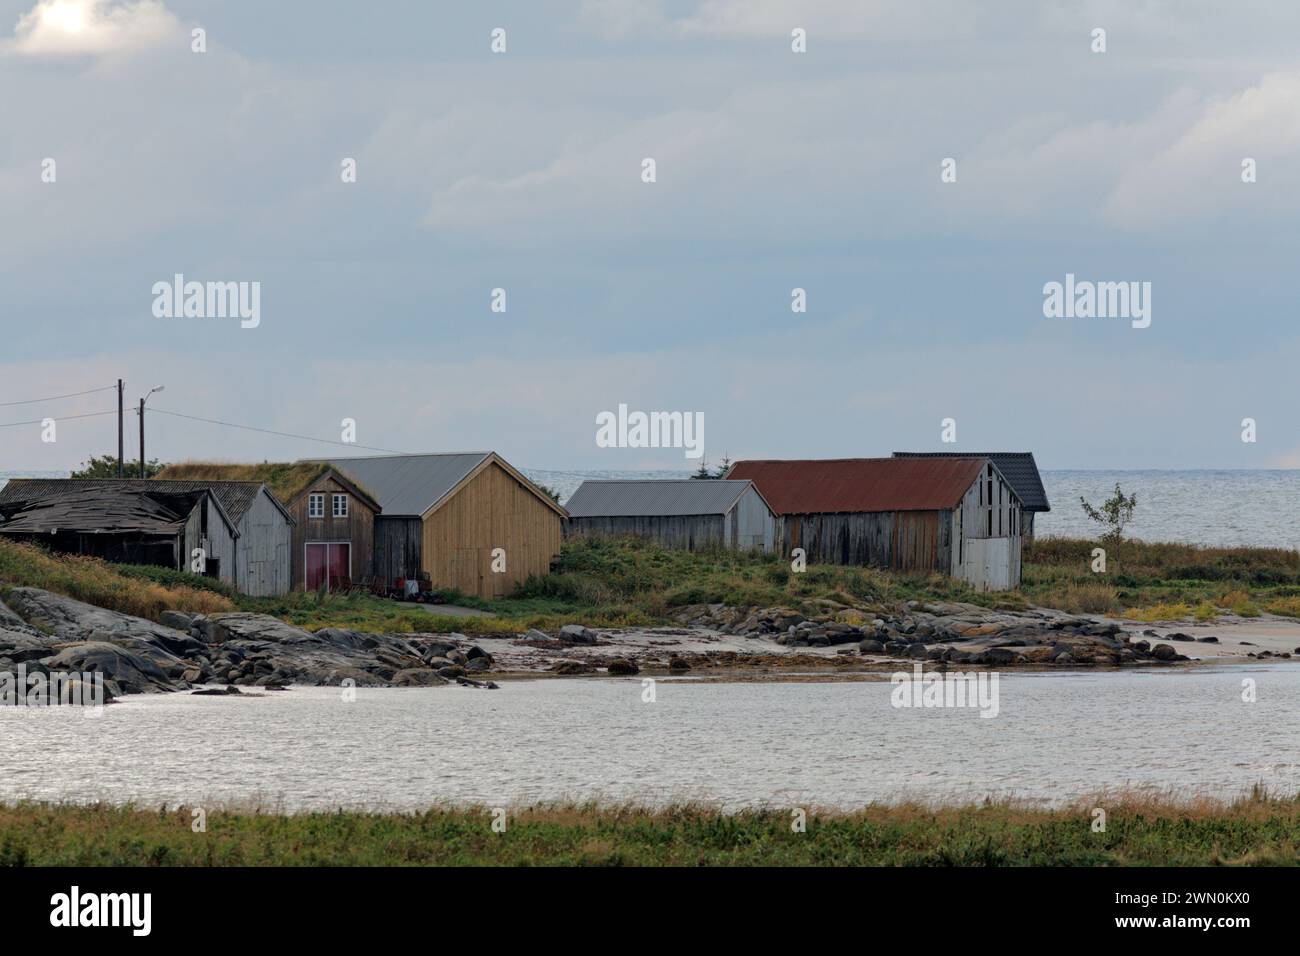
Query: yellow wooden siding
492, 510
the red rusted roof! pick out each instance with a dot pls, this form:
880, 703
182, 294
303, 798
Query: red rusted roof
861, 484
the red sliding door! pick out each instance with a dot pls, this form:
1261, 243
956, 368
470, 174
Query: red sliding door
328, 562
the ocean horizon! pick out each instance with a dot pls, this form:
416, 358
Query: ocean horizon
1257, 507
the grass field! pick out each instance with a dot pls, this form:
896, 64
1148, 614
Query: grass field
626, 582
1138, 832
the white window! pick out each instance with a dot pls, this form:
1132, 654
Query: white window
340, 506
315, 506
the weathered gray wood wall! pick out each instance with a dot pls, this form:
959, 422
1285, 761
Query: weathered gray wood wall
986, 534
262, 554
902, 540
751, 524
218, 541
397, 548
688, 532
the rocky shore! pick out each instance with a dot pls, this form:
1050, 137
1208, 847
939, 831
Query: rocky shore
49, 632
44, 631
948, 632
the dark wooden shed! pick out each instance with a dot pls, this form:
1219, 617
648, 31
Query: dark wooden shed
956, 516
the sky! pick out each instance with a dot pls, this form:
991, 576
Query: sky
522, 170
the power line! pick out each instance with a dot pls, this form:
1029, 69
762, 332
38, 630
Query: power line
267, 431
58, 418
37, 401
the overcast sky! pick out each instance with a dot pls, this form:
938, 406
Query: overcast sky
775, 170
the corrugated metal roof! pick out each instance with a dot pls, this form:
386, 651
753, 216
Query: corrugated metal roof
860, 484
1017, 467
613, 498
235, 496
101, 511
409, 485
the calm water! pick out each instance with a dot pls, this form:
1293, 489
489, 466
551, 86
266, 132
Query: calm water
1058, 736
1229, 508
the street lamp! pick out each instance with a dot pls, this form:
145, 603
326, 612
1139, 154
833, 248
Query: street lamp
156, 388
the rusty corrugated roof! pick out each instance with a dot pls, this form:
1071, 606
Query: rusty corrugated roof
861, 484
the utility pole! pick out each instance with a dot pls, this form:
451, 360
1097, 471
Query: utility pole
120, 450
142, 438
156, 388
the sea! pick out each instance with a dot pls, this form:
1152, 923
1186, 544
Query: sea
1056, 737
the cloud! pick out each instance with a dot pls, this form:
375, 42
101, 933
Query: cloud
71, 27
1197, 173
897, 20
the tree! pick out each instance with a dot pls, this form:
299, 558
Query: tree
548, 490
106, 467
1115, 512
704, 474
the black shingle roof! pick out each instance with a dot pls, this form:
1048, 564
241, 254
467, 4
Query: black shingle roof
1017, 467
235, 496
103, 510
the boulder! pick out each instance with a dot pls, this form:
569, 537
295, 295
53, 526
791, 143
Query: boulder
177, 619
131, 672
577, 634
9, 621
870, 646
572, 667
1164, 652
621, 667
417, 677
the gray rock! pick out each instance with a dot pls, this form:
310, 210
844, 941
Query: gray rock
132, 672
577, 634
533, 634
417, 677
176, 619
1164, 652
9, 621
871, 647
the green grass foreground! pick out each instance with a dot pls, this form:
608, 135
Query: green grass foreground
1255, 831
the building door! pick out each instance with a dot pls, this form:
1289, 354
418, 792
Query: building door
328, 563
